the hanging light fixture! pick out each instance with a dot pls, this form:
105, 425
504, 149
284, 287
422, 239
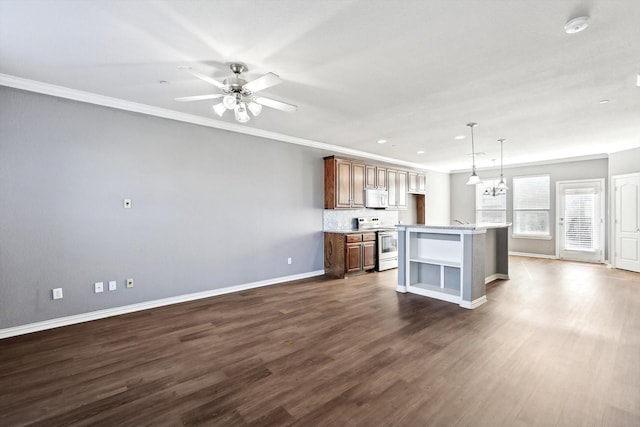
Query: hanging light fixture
502, 185
501, 188
474, 178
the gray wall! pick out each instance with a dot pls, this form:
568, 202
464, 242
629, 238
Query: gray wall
624, 162
211, 208
463, 196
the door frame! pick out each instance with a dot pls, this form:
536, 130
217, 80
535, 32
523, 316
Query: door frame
612, 220
603, 222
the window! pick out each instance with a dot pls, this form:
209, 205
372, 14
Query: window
531, 195
490, 209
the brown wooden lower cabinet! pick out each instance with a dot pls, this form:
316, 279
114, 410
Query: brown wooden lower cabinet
349, 253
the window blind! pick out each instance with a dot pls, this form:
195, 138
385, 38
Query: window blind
579, 217
531, 200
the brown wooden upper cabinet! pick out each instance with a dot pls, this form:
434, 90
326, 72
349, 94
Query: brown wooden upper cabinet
397, 187
344, 183
417, 183
376, 177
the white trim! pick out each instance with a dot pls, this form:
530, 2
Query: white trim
531, 236
106, 101
625, 175
401, 288
116, 311
434, 294
541, 162
475, 303
496, 276
533, 255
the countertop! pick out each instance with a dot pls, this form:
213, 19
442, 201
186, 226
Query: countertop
455, 226
371, 230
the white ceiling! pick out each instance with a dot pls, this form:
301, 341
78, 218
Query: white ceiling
411, 72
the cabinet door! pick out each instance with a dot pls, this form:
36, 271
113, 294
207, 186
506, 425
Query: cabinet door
391, 186
401, 190
343, 183
370, 176
381, 178
354, 257
422, 184
358, 181
368, 255
413, 182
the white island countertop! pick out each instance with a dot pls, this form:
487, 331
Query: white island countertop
454, 226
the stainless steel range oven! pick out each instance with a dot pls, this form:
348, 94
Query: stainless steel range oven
387, 250
387, 242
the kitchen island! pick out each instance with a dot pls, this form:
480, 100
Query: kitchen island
452, 263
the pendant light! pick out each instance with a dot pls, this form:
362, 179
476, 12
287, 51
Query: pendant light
474, 178
502, 185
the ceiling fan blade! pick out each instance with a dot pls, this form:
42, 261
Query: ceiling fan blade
199, 97
267, 102
263, 82
207, 79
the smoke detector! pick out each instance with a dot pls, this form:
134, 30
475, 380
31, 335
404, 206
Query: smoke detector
576, 25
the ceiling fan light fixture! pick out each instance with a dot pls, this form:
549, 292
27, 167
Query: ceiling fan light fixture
230, 101
255, 108
219, 108
241, 113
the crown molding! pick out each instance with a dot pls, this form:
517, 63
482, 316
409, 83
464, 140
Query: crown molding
536, 163
121, 104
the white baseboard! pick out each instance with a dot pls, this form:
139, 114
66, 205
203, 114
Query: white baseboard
475, 303
533, 255
402, 289
116, 311
496, 276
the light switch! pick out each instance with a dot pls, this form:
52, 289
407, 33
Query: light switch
112, 285
99, 287
57, 293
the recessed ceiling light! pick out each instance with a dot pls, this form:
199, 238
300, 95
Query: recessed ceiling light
576, 25
460, 137
382, 141
604, 101
421, 152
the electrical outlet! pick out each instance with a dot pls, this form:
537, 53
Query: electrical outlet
112, 285
99, 287
57, 293
127, 203
289, 261
129, 283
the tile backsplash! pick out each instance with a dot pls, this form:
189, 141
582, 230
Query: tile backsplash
336, 219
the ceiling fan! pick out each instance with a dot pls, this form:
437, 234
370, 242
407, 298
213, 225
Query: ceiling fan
239, 95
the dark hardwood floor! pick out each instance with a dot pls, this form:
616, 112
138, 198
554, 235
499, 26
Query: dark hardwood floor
557, 345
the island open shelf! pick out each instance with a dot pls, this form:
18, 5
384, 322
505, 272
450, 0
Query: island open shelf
452, 263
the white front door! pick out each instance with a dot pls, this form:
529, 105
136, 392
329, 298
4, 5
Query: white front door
627, 222
581, 220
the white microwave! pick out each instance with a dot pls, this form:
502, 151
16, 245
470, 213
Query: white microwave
376, 198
